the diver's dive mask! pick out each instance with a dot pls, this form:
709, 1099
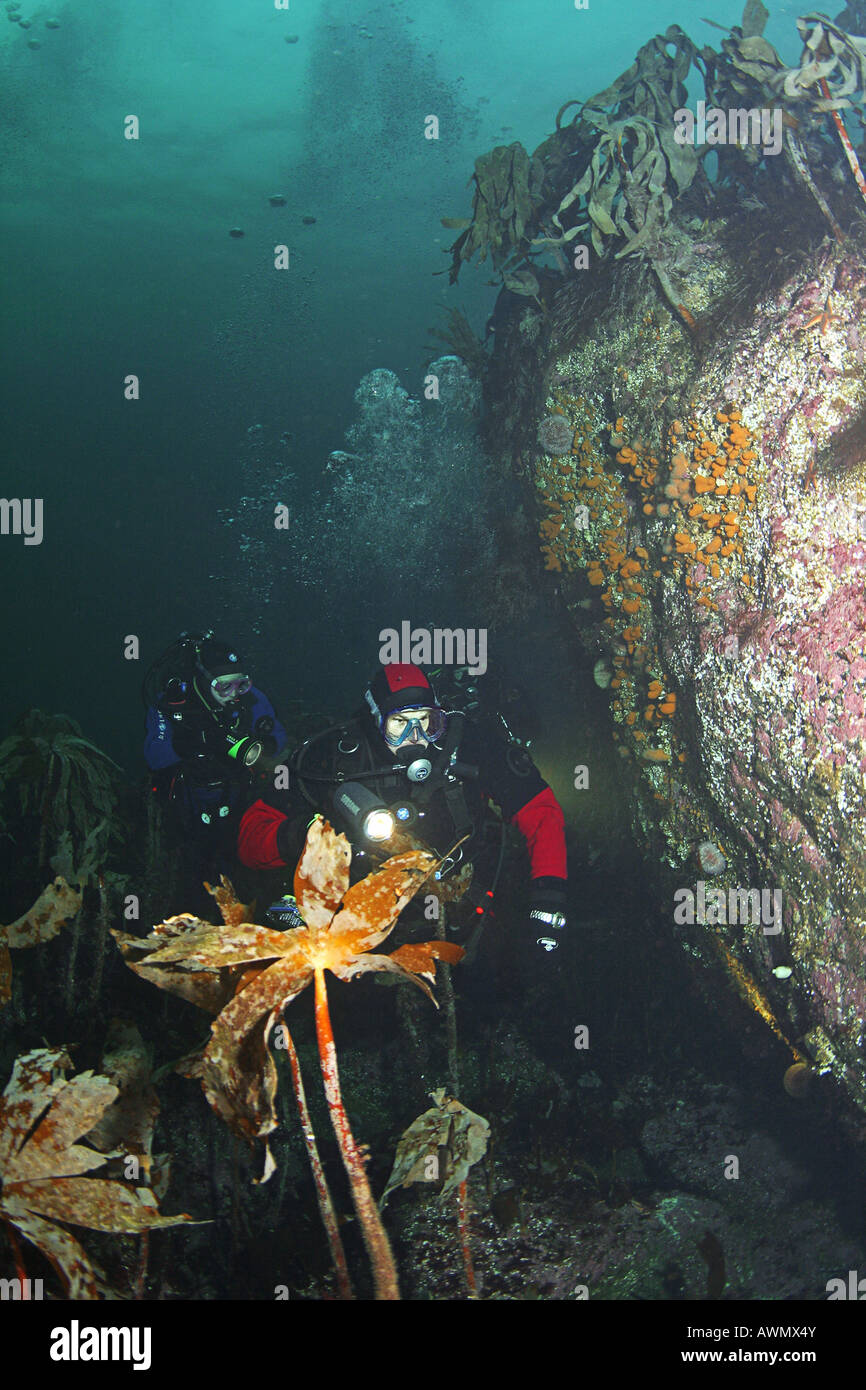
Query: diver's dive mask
416, 724
230, 687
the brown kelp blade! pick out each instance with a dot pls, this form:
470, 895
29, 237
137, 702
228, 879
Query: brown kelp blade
322, 874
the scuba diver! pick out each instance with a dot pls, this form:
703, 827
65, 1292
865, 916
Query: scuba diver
405, 771
207, 729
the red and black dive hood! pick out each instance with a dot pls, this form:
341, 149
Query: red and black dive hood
398, 686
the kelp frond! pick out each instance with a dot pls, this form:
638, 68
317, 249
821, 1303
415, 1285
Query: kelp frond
64, 779
460, 339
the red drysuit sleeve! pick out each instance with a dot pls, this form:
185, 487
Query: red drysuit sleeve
541, 822
257, 837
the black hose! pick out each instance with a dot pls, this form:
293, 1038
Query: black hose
331, 779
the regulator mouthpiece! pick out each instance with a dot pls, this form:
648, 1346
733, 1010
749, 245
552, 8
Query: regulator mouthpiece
419, 770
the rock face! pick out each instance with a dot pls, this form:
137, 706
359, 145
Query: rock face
713, 505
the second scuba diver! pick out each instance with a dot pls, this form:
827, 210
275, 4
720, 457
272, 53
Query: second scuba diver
402, 766
207, 727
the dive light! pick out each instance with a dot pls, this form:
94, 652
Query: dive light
245, 750
358, 804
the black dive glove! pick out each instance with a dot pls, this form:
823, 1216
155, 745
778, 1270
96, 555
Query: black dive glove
292, 835
547, 911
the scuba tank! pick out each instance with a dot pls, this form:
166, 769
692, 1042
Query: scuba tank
483, 697
168, 683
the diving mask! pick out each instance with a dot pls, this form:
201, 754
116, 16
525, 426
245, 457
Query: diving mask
413, 725
230, 687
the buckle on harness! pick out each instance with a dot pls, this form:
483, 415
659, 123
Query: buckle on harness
449, 863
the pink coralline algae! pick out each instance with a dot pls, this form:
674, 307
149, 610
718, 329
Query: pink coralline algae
813, 856
787, 827
809, 686
555, 434
791, 831
843, 997
742, 781
825, 652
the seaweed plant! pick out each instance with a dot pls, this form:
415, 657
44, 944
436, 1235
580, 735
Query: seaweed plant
455, 1136
43, 1116
342, 924
460, 339
613, 171
64, 780
611, 167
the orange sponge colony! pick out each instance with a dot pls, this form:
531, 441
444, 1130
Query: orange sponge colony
578, 492
705, 487
708, 493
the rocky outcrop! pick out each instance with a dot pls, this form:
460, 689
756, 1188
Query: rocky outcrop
706, 529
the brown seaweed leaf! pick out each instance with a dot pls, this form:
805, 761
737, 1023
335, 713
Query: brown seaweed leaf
755, 16
447, 1126
54, 907
239, 1074
208, 989
127, 1124
502, 208
231, 911
831, 56
42, 1115
626, 186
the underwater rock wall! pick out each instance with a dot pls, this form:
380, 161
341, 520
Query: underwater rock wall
701, 506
